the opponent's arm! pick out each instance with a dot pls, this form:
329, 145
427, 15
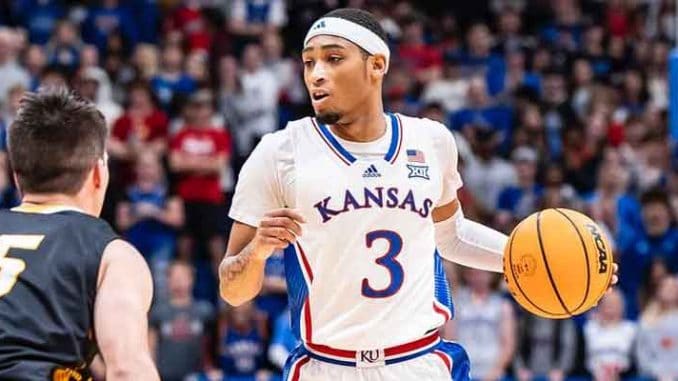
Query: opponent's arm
467, 242
241, 272
123, 298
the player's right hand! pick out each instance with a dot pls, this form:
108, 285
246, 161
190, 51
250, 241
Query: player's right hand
276, 231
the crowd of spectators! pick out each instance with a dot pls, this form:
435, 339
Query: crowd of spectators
553, 103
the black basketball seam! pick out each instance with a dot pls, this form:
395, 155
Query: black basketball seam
586, 256
610, 273
548, 269
513, 275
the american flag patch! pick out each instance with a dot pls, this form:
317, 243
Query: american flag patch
415, 156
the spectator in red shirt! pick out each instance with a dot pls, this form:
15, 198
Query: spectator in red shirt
199, 153
143, 127
423, 59
189, 20
617, 18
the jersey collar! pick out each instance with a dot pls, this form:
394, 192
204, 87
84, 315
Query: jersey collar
45, 208
346, 157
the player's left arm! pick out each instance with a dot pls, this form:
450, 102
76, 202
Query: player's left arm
124, 294
467, 242
458, 239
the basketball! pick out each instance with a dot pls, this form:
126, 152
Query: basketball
557, 263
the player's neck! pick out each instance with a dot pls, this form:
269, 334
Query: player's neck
56, 200
365, 125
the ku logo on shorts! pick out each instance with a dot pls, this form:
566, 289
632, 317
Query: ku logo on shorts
370, 358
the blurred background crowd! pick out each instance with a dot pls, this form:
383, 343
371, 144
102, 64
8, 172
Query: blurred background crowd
554, 103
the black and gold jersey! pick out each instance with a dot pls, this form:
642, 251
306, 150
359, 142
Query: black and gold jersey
49, 262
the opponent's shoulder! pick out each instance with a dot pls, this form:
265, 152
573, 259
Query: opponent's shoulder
96, 230
122, 254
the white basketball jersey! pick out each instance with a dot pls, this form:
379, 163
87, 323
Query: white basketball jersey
365, 272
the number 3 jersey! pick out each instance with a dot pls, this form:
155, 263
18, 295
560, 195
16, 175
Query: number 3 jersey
365, 272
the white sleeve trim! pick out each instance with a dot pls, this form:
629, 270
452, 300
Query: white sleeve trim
250, 220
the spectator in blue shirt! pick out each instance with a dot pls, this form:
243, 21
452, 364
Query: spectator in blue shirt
594, 52
556, 110
39, 17
108, 19
607, 201
480, 111
658, 239
566, 30
510, 36
146, 14
241, 343
150, 217
516, 76
478, 58
251, 19
63, 49
172, 81
519, 201
634, 95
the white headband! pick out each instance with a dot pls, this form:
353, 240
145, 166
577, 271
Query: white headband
351, 31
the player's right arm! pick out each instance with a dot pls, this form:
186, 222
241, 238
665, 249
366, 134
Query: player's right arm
241, 273
262, 223
124, 294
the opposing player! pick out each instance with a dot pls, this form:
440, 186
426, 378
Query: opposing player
375, 193
68, 284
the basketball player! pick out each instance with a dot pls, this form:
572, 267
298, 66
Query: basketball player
376, 195
68, 285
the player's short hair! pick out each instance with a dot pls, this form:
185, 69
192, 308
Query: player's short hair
55, 140
360, 17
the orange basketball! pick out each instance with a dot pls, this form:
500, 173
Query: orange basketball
557, 263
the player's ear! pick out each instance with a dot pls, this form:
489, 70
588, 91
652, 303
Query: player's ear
378, 65
99, 171
97, 175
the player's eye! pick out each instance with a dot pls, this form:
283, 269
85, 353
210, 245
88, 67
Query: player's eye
335, 59
308, 63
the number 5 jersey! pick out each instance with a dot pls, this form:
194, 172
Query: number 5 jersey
49, 264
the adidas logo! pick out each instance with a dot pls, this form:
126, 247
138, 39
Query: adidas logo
371, 171
320, 24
